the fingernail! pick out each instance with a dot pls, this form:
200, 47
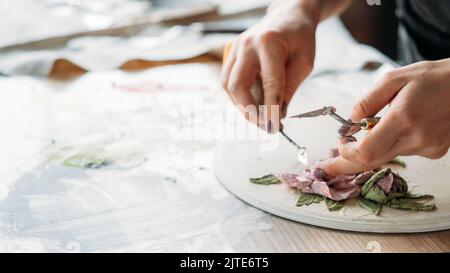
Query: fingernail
343, 130
321, 174
346, 139
269, 126
262, 111
348, 130
284, 110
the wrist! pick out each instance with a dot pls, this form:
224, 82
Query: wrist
312, 9
306, 10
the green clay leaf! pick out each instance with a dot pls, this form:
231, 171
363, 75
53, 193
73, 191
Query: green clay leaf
395, 195
266, 180
398, 161
409, 204
372, 207
410, 195
306, 199
333, 205
374, 179
376, 194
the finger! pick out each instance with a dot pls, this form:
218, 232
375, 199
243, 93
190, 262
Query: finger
273, 59
240, 80
229, 58
414, 144
433, 152
242, 77
243, 73
376, 145
381, 95
403, 147
297, 70
250, 113
339, 165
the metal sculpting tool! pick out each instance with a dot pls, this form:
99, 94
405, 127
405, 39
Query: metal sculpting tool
365, 124
302, 153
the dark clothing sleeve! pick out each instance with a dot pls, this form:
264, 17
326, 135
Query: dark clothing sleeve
424, 30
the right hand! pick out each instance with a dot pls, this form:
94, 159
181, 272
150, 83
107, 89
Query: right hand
280, 49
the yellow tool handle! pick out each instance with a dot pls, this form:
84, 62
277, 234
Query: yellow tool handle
369, 123
226, 52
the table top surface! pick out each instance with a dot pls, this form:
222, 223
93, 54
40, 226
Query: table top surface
288, 236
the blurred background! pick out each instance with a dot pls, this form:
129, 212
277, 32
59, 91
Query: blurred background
68, 37
374, 25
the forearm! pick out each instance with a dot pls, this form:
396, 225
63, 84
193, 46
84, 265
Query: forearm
316, 10
330, 8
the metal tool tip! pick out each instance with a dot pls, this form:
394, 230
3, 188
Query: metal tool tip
302, 156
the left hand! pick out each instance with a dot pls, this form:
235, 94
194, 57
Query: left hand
417, 122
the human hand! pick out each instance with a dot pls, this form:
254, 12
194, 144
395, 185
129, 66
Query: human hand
279, 50
417, 122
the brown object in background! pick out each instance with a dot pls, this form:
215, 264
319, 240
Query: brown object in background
374, 25
65, 70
